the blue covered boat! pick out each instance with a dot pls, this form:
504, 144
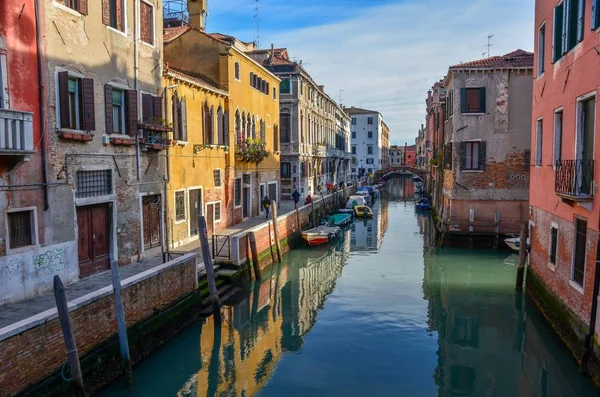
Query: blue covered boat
423, 205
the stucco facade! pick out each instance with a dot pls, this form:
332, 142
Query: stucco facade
314, 131
370, 141
564, 173
252, 108
486, 188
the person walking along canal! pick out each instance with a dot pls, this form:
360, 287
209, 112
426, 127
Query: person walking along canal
266, 203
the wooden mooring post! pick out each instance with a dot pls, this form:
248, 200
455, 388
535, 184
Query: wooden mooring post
276, 231
254, 250
121, 323
312, 211
208, 265
522, 256
65, 323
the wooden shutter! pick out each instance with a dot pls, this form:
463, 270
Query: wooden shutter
482, 105
565, 26
580, 20
82, 6
482, 155
88, 121
175, 112
147, 108
157, 107
106, 12
226, 128
463, 100
63, 98
108, 106
463, 155
131, 115
184, 136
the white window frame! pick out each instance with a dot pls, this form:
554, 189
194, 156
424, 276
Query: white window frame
215, 220
579, 126
578, 287
34, 228
220, 178
68, 9
541, 53
553, 225
539, 142
123, 123
241, 192
4, 85
558, 135
153, 24
124, 32
185, 199
57, 94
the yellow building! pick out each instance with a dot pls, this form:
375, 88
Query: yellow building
252, 108
197, 156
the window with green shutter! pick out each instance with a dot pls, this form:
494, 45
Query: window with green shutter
285, 86
558, 32
472, 100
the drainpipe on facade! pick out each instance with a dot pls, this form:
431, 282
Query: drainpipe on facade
589, 337
167, 177
136, 60
42, 91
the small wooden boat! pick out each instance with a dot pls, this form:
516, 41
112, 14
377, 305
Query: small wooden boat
321, 235
362, 211
423, 205
353, 201
339, 219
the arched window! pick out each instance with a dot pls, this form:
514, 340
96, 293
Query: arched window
4, 93
208, 125
275, 138
243, 134
262, 130
238, 127
253, 128
284, 120
249, 126
220, 127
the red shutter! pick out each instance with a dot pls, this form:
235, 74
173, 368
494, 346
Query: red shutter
147, 114
108, 108
131, 112
82, 6
63, 98
88, 121
106, 13
157, 107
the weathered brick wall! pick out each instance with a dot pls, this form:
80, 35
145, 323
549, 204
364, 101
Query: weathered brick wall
559, 278
34, 354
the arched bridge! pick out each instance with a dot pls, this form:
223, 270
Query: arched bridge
399, 171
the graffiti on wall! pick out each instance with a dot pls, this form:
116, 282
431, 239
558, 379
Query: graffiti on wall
52, 259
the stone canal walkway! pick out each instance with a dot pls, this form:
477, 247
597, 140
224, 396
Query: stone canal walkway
13, 313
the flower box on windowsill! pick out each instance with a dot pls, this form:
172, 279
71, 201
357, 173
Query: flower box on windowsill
75, 135
154, 127
122, 141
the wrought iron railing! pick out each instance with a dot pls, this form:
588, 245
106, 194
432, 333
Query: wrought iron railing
156, 140
574, 178
221, 247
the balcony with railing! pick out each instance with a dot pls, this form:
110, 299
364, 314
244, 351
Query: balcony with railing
16, 133
251, 151
575, 179
155, 134
319, 150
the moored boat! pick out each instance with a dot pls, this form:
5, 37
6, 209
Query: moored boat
321, 235
423, 205
513, 243
362, 211
353, 201
339, 219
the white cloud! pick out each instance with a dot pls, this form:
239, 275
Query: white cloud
389, 56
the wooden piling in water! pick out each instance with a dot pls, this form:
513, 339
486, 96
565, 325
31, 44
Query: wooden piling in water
276, 231
208, 265
121, 323
255, 264
65, 323
522, 256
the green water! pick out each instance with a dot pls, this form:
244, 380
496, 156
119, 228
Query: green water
380, 314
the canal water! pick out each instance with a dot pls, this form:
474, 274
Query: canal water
382, 313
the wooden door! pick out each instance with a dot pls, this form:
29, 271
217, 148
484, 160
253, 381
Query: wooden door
151, 218
210, 219
94, 239
246, 202
195, 206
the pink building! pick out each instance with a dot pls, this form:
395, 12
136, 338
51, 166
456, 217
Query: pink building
410, 155
564, 204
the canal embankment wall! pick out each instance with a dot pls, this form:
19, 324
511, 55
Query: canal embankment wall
32, 351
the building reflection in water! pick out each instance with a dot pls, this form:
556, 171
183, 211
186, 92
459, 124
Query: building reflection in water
489, 343
239, 356
367, 234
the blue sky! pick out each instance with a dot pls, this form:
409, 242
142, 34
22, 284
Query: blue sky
384, 54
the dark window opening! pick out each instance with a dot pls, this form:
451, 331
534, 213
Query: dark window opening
20, 230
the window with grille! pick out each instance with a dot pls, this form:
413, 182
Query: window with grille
370, 120
94, 183
273, 191
20, 229
217, 211
217, 178
180, 206
246, 179
286, 169
580, 251
237, 193
553, 245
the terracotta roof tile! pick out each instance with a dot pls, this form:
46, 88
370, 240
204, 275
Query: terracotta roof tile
515, 59
172, 33
195, 79
353, 110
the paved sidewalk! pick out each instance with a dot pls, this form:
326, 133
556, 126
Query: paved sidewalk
14, 312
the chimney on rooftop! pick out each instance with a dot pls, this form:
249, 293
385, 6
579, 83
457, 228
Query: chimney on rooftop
197, 11
272, 54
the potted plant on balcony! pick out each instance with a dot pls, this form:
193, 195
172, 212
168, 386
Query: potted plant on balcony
251, 151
